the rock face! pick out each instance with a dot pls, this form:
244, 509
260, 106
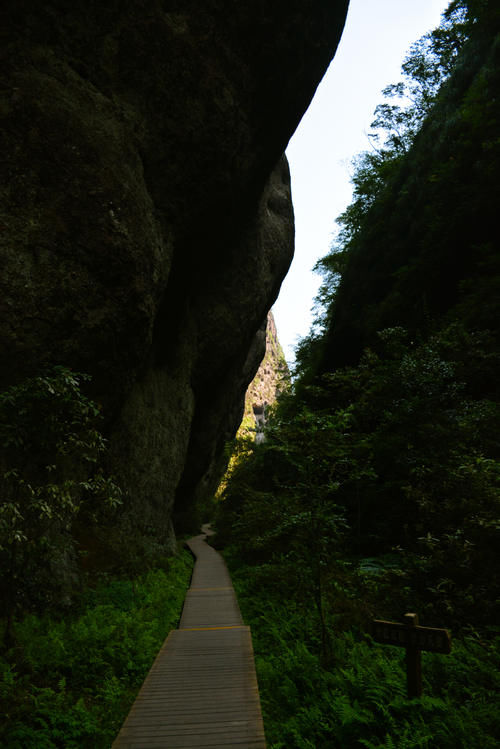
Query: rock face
273, 377
145, 213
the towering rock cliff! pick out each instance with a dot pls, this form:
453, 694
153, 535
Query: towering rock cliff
145, 213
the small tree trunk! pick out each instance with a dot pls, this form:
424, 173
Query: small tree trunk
326, 645
10, 599
8, 638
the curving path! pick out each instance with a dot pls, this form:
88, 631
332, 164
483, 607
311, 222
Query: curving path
202, 689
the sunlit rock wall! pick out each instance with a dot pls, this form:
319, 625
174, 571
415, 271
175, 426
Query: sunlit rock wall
271, 379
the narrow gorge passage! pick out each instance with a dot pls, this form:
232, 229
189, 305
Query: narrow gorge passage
202, 688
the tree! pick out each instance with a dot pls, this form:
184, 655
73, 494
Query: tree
283, 501
49, 472
397, 122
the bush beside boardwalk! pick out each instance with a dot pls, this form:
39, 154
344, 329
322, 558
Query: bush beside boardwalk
69, 682
359, 698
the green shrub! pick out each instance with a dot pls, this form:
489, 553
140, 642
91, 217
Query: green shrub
360, 699
70, 682
50, 450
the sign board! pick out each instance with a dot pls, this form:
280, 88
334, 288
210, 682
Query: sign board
415, 639
421, 638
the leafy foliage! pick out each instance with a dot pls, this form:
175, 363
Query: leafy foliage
397, 453
70, 682
49, 474
360, 699
415, 244
377, 488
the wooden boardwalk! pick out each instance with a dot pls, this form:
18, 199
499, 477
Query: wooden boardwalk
202, 689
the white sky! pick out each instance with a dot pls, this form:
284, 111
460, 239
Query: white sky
377, 36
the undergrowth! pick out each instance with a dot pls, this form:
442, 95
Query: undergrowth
359, 698
69, 682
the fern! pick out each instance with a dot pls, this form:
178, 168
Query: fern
104, 653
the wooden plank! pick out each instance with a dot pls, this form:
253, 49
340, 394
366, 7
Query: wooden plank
202, 689
210, 609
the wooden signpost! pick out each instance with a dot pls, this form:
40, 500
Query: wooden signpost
415, 639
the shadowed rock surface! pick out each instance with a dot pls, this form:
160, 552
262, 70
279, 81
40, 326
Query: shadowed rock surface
145, 215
